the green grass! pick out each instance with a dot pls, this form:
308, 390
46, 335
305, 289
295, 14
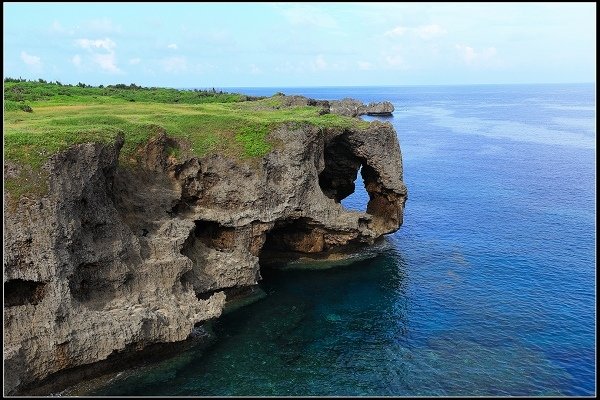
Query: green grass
204, 122
252, 138
64, 94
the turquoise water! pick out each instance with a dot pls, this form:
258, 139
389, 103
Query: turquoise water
487, 289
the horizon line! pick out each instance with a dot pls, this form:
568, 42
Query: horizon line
402, 85
327, 86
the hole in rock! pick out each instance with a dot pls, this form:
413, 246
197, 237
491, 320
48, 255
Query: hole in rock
360, 197
215, 235
18, 292
297, 235
340, 179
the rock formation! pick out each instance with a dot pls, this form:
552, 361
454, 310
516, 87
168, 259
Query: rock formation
346, 107
384, 108
116, 258
354, 108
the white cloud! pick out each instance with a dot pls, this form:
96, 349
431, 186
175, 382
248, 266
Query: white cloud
424, 32
76, 60
31, 60
172, 46
106, 44
134, 61
365, 65
106, 61
174, 64
397, 31
470, 56
319, 63
309, 16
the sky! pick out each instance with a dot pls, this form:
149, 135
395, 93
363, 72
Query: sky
205, 45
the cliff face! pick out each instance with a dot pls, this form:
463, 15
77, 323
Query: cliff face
116, 258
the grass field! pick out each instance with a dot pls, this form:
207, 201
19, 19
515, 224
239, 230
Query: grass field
207, 121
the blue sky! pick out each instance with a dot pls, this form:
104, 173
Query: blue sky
300, 44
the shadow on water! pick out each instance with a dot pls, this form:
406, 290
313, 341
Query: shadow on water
311, 325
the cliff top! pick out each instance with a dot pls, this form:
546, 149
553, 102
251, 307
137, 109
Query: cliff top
41, 119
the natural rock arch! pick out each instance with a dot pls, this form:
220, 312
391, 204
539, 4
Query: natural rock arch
342, 166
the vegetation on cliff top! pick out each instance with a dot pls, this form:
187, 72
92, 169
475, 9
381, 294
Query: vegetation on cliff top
41, 119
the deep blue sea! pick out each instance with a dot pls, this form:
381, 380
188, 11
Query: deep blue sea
487, 289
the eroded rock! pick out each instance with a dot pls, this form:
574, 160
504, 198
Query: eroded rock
115, 258
353, 108
383, 108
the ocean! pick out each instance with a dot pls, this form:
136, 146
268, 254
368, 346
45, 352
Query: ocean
487, 289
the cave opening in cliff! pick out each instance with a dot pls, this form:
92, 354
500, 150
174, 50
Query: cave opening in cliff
294, 235
289, 239
215, 235
346, 177
19, 292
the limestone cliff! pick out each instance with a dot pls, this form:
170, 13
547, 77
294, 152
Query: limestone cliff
119, 257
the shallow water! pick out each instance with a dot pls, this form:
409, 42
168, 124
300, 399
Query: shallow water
487, 289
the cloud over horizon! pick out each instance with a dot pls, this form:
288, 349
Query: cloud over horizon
31, 60
293, 44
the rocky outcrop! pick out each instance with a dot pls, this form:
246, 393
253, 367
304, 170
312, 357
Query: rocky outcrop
383, 109
354, 108
347, 107
121, 257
